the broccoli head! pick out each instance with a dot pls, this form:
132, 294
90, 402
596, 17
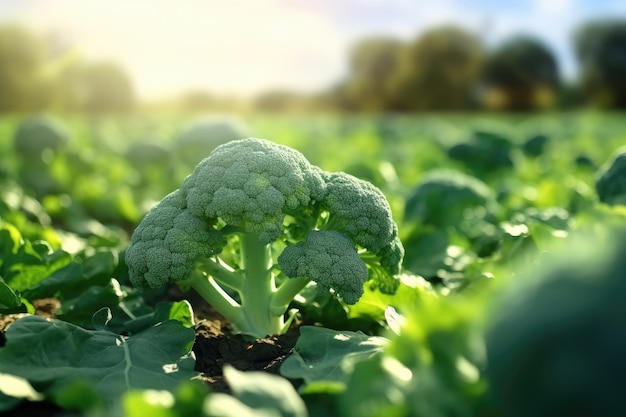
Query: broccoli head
611, 180
254, 223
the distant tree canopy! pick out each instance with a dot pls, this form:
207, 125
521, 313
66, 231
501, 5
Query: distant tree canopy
374, 62
522, 74
439, 71
600, 47
32, 78
23, 85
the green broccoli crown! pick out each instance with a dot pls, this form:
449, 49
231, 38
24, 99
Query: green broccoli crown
252, 183
360, 210
168, 241
611, 180
329, 258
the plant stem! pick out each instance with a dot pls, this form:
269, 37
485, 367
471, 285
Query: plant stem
215, 295
257, 289
286, 292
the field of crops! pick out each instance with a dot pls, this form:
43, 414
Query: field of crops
508, 301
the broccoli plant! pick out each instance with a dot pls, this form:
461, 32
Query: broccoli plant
255, 223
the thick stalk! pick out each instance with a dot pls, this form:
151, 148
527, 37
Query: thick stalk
257, 289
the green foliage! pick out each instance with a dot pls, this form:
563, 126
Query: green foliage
55, 355
485, 152
611, 180
67, 250
554, 344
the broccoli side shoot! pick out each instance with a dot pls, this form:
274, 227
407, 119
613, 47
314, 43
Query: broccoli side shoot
254, 223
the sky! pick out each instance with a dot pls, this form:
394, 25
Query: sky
246, 47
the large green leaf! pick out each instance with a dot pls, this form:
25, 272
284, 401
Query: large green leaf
51, 354
322, 355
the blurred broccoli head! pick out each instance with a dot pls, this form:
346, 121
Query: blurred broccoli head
39, 133
556, 346
203, 135
611, 180
443, 197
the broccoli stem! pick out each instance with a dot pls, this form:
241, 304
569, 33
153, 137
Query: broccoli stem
215, 295
257, 289
286, 292
262, 305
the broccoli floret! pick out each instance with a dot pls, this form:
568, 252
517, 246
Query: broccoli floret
329, 258
360, 209
611, 180
556, 344
222, 232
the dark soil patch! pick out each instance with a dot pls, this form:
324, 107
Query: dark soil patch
216, 345
213, 352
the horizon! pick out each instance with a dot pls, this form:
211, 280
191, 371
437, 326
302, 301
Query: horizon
295, 45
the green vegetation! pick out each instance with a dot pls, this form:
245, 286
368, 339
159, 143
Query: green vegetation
486, 282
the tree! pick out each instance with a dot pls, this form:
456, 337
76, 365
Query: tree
521, 75
601, 51
23, 85
373, 63
439, 71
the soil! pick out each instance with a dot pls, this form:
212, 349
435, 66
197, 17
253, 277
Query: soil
216, 345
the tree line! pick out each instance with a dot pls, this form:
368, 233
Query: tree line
445, 69
36, 74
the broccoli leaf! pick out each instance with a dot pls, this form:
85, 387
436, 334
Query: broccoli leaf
258, 394
52, 354
321, 355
